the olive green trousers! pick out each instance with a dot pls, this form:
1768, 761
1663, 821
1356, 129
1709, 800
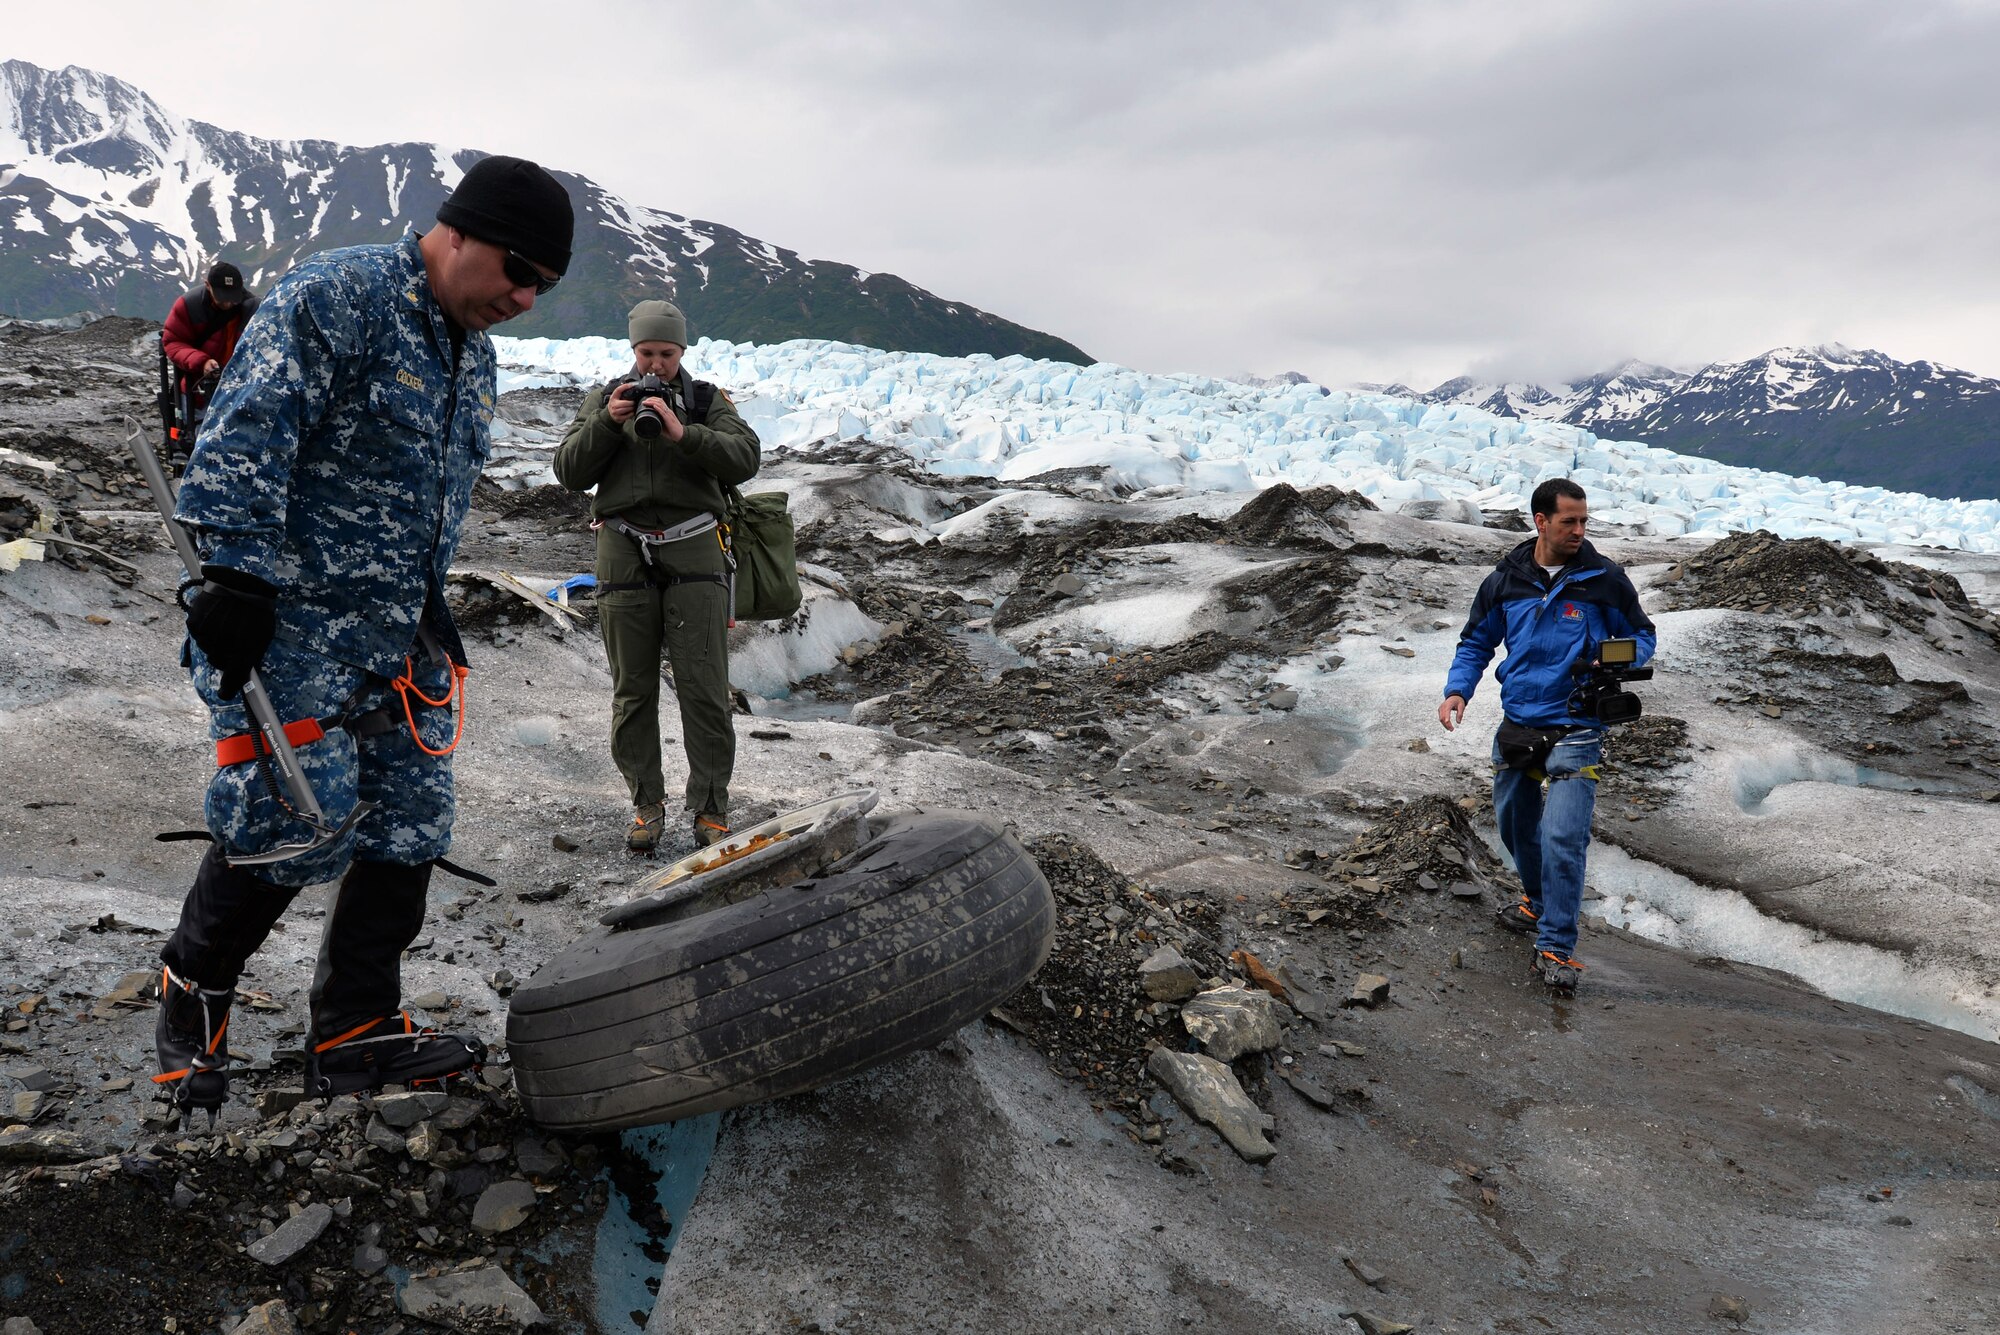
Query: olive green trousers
689, 622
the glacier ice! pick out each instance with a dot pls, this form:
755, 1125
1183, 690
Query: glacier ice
1012, 418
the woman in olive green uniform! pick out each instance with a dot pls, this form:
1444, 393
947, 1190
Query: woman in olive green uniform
659, 453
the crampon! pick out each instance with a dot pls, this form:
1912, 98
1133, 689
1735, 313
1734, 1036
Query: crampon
388, 1050
190, 1038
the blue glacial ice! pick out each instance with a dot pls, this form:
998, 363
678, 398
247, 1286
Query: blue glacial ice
1012, 418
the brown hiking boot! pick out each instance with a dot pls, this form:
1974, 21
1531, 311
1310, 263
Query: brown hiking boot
647, 823
710, 828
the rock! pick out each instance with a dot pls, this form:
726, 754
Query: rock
503, 1206
1230, 1021
458, 1113
1773, 711
1305, 1000
423, 1142
1399, 651
370, 1259
275, 1102
1286, 698
404, 1111
544, 894
536, 1158
1167, 976
272, 1318
430, 1001
382, 1138
1260, 977
133, 990
1066, 584
1370, 990
1311, 1090
21, 1144
1465, 890
19, 1325
1728, 1307
1364, 1272
562, 843
1420, 746
293, 1236
1378, 1325
1208, 1090
28, 1104
487, 1289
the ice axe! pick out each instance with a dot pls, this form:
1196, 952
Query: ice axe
277, 750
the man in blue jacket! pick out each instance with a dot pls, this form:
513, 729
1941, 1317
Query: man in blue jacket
1551, 601
326, 494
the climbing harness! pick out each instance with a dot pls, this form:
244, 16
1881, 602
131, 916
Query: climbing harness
656, 578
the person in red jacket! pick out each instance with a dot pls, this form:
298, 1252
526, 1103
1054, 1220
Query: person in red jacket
201, 332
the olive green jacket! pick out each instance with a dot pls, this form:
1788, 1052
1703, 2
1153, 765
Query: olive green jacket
657, 483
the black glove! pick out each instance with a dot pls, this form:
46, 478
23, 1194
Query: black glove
232, 616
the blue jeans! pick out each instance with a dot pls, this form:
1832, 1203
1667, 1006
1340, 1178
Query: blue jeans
1545, 824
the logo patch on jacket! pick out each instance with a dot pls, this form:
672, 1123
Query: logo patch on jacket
1571, 612
408, 381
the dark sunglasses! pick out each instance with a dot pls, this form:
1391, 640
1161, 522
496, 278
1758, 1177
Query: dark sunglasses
523, 274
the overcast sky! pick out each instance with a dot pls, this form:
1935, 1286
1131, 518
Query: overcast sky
1359, 191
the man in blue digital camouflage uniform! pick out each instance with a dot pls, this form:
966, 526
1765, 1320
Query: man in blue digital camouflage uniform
1553, 600
326, 494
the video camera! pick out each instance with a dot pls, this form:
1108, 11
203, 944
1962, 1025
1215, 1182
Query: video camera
646, 421
1600, 692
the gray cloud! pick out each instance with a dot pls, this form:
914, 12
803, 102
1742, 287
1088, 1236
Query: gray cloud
1367, 190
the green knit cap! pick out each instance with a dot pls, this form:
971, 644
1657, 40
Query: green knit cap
657, 322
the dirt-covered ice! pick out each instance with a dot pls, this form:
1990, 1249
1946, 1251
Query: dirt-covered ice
1214, 723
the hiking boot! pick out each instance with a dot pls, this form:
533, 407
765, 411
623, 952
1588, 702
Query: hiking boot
647, 823
1518, 917
189, 1034
1558, 974
390, 1050
710, 828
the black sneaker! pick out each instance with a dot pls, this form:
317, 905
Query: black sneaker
1557, 973
189, 1036
390, 1050
1518, 917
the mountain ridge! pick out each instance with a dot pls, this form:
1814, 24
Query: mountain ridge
1824, 410
93, 169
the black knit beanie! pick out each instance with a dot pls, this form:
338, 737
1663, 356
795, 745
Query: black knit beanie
512, 202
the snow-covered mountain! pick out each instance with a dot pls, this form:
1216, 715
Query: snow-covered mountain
1608, 399
1827, 411
111, 203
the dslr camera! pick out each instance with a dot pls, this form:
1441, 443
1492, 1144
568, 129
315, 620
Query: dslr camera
647, 421
1600, 688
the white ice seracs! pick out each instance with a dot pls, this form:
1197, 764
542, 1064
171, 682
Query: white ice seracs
1012, 418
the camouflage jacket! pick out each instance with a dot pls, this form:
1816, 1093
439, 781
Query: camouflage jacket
339, 453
